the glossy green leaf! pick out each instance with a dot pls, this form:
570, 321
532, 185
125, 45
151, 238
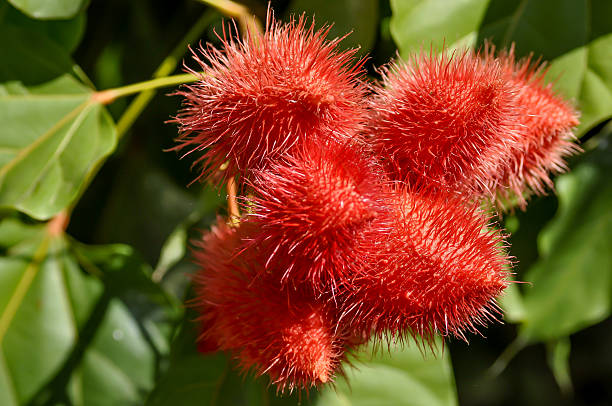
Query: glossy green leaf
401, 376
423, 23
211, 379
53, 133
128, 277
43, 293
48, 9
119, 364
192, 378
360, 18
66, 33
94, 348
118, 367
173, 250
574, 35
572, 282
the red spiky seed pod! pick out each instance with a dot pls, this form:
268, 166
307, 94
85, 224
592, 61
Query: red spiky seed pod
266, 93
547, 121
439, 269
311, 206
442, 120
286, 334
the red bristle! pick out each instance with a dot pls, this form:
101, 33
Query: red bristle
284, 333
267, 93
439, 269
547, 122
310, 209
444, 121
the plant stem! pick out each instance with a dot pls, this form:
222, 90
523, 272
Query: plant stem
110, 95
247, 21
167, 66
147, 88
57, 225
232, 204
147, 91
502, 361
228, 7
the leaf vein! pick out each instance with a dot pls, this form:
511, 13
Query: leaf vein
22, 287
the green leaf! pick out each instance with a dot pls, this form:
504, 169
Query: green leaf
572, 282
128, 277
211, 379
48, 9
112, 260
512, 304
192, 378
53, 132
65, 331
65, 33
43, 293
360, 18
172, 251
574, 35
400, 376
423, 23
118, 367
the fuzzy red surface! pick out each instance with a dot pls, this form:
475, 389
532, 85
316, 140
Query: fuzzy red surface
438, 270
310, 209
266, 93
547, 121
284, 333
447, 121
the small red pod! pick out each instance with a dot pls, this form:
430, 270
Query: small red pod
546, 121
287, 334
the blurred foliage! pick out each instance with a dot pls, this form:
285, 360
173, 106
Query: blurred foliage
95, 315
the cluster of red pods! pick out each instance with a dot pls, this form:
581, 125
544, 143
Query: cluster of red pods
368, 206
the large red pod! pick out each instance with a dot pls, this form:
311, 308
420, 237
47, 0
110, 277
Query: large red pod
438, 270
312, 207
266, 93
444, 121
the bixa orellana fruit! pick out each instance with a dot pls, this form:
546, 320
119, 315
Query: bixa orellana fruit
361, 201
284, 332
267, 93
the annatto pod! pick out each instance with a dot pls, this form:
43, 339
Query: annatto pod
284, 333
547, 122
266, 93
310, 209
438, 270
444, 121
